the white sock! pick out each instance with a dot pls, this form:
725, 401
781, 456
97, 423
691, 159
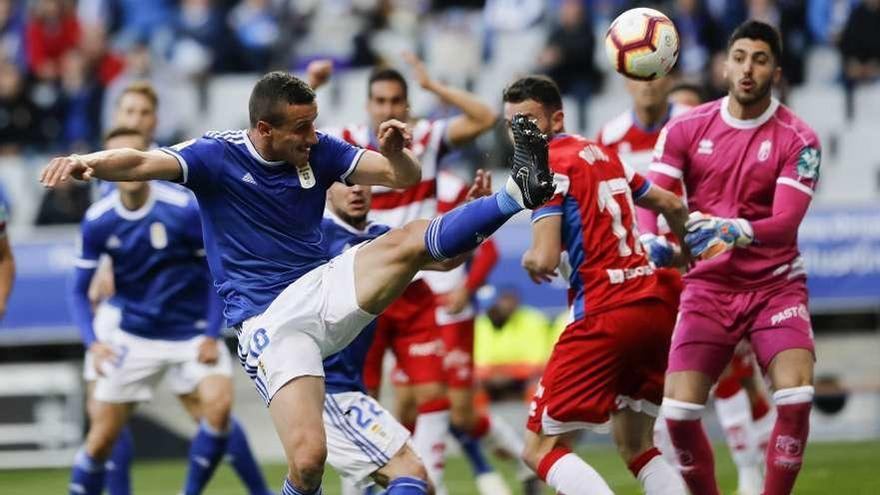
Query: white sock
514, 192
658, 477
735, 415
502, 435
429, 442
571, 475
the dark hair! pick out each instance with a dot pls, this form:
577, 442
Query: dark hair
143, 88
386, 74
273, 89
761, 31
535, 87
122, 132
689, 86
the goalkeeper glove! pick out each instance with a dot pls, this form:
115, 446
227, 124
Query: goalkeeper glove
708, 236
660, 251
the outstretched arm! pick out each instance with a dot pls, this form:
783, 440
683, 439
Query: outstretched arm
476, 118
123, 164
394, 166
663, 202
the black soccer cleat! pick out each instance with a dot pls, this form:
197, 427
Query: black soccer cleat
529, 166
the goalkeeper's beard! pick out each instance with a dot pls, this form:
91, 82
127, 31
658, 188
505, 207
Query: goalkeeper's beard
758, 95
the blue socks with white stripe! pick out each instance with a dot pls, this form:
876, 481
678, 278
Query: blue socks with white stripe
472, 450
289, 489
87, 475
467, 226
119, 465
406, 485
205, 452
242, 459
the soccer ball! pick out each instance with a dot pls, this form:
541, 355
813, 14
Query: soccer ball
642, 44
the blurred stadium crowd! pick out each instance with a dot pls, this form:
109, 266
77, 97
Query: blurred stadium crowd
63, 62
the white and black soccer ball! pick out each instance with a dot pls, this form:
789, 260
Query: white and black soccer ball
642, 44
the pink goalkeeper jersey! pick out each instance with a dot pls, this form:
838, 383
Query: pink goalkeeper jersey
731, 168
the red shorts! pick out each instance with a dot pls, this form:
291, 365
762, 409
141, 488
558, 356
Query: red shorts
713, 321
408, 327
603, 363
458, 340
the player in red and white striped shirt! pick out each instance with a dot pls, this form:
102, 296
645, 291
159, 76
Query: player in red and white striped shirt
408, 326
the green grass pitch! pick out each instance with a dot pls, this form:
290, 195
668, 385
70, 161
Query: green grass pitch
849, 468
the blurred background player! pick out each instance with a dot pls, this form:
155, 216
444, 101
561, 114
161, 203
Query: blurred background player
608, 364
167, 321
409, 327
137, 108
7, 260
749, 167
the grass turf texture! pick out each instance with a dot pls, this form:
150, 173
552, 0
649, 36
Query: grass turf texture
831, 468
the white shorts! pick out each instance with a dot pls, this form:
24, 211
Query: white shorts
362, 436
106, 321
142, 363
312, 318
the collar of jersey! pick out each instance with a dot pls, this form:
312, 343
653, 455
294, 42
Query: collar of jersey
345, 225
253, 151
751, 123
141, 212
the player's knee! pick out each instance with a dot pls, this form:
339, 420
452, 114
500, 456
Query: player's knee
307, 465
217, 411
412, 242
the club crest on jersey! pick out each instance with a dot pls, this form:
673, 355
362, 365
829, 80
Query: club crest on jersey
706, 147
306, 177
158, 235
764, 150
808, 163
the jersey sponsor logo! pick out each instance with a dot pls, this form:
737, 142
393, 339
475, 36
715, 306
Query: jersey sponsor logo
800, 311
808, 163
660, 145
592, 153
158, 236
113, 242
705, 147
621, 275
764, 150
249, 179
432, 348
306, 177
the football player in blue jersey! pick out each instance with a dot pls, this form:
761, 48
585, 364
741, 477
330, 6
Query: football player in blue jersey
164, 319
262, 193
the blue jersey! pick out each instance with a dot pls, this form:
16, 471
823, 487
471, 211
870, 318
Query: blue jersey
163, 287
343, 371
261, 219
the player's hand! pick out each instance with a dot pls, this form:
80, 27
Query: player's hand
482, 186
318, 72
454, 302
708, 236
536, 272
61, 169
103, 356
209, 351
102, 286
420, 72
660, 251
394, 136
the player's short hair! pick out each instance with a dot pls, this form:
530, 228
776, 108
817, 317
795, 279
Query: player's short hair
123, 132
143, 88
271, 90
535, 87
387, 74
689, 86
761, 31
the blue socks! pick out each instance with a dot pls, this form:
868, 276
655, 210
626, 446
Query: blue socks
288, 489
205, 452
472, 450
242, 459
119, 465
467, 226
87, 475
407, 486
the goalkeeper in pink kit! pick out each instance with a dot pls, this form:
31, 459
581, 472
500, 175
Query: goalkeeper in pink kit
749, 167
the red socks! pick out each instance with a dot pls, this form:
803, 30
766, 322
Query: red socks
785, 453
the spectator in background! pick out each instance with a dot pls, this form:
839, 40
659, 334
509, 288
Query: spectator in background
255, 26
137, 19
51, 31
700, 37
568, 56
860, 43
18, 115
12, 33
64, 204
199, 39
827, 18
81, 97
